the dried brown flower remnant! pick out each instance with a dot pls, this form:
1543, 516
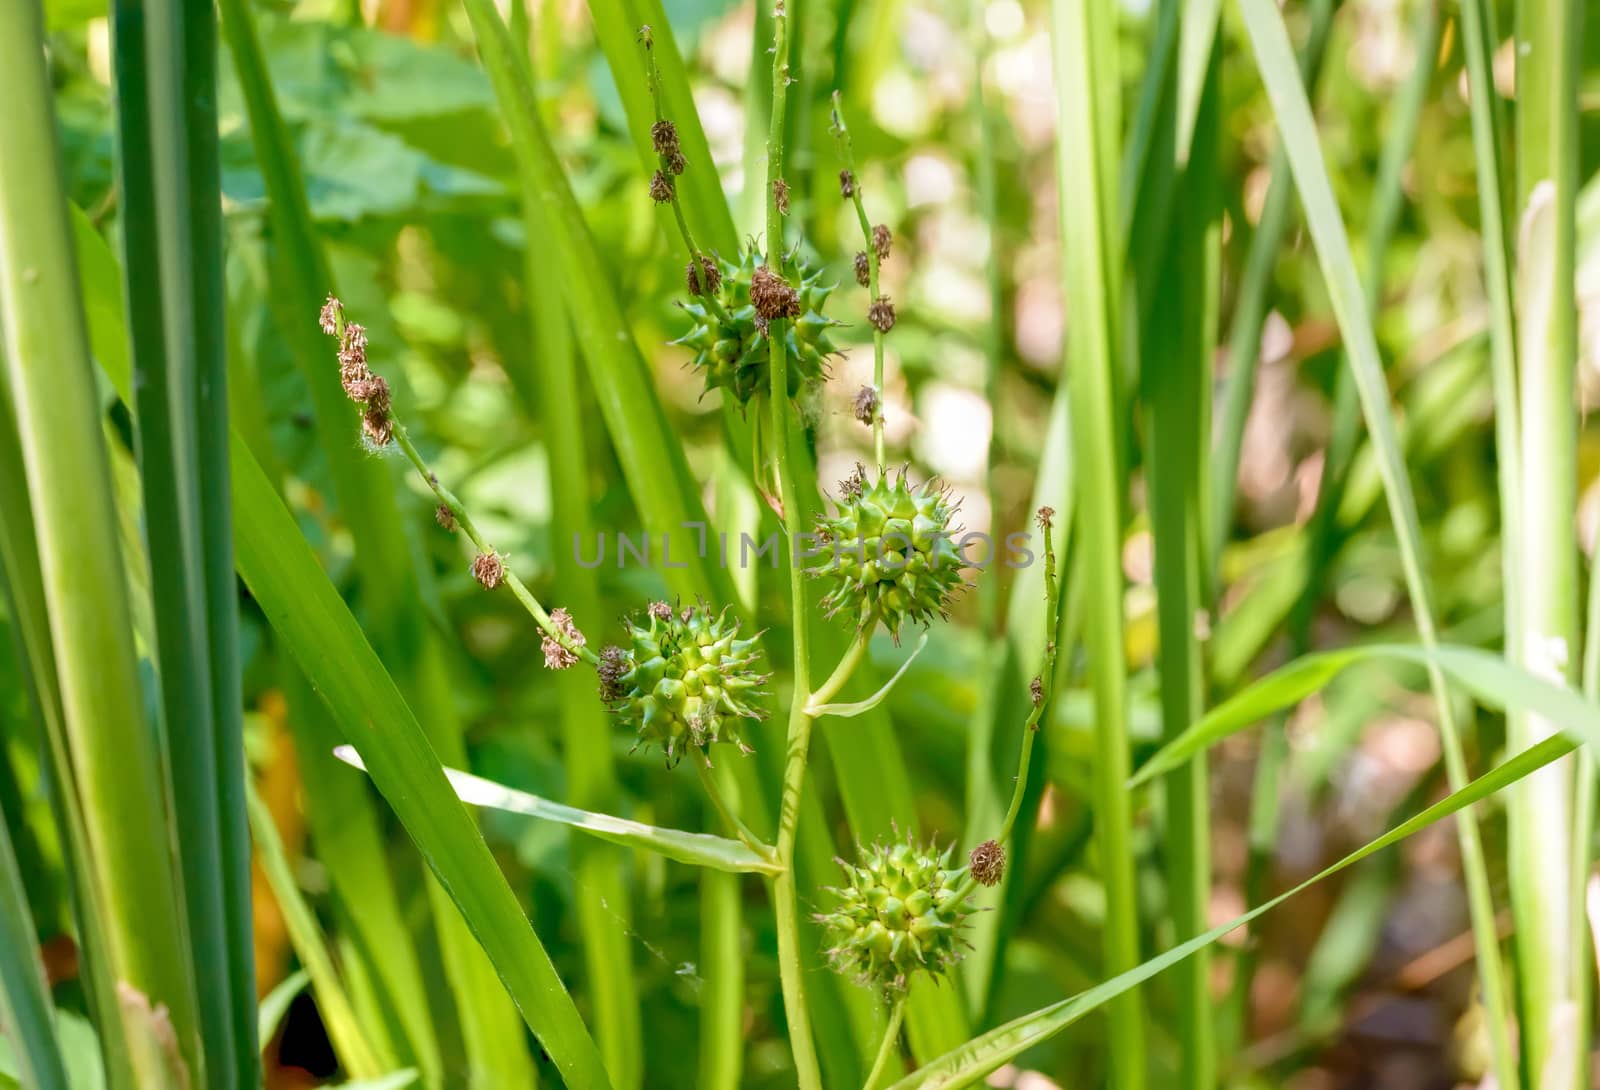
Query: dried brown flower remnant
988, 862
488, 569
559, 654
331, 317
707, 281
445, 517
1044, 516
676, 163
868, 403
882, 241
661, 611
850, 488
772, 296
780, 195
664, 137
660, 187
1036, 691
378, 426
881, 314
847, 184
863, 268
613, 665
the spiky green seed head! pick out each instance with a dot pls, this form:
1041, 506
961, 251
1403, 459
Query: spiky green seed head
890, 553
731, 350
897, 913
685, 679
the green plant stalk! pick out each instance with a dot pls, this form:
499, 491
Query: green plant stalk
1540, 811
847, 154
365, 490
722, 998
26, 1010
356, 1054
891, 1037
807, 1072
1269, 38
1083, 44
1176, 375
172, 244
116, 764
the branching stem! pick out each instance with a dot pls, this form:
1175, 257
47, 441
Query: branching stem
842, 134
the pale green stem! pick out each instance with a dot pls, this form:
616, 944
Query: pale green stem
840, 677
703, 768
848, 155
807, 1072
891, 1037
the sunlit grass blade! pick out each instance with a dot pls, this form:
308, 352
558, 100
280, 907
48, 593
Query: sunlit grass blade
26, 1010
1297, 129
722, 965
1488, 677
116, 763
970, 1063
696, 849
172, 207
274, 1006
357, 1056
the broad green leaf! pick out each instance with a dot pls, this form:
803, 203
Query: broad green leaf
851, 709
970, 1063
696, 849
1494, 681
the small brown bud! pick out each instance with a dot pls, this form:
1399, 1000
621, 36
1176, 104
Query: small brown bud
881, 314
882, 241
661, 611
780, 195
353, 345
771, 295
559, 654
331, 317
868, 403
988, 863
664, 137
613, 665
676, 163
378, 426
445, 517
377, 394
1036, 690
708, 281
851, 487
1044, 516
863, 268
847, 184
660, 187
488, 569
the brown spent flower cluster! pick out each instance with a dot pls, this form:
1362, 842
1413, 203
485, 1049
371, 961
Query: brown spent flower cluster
772, 296
780, 195
488, 569
445, 517
851, 487
360, 384
661, 611
707, 281
988, 863
1036, 693
1044, 517
868, 404
881, 314
558, 654
882, 241
660, 187
613, 665
863, 268
847, 184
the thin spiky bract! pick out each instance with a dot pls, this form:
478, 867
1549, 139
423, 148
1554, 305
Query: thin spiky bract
731, 349
686, 679
899, 912
889, 554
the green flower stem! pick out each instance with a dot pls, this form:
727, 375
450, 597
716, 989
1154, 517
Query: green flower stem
847, 153
841, 675
714, 793
891, 1035
807, 1072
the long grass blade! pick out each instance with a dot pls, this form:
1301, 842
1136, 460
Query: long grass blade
1297, 129
116, 763
26, 1011
984, 1054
